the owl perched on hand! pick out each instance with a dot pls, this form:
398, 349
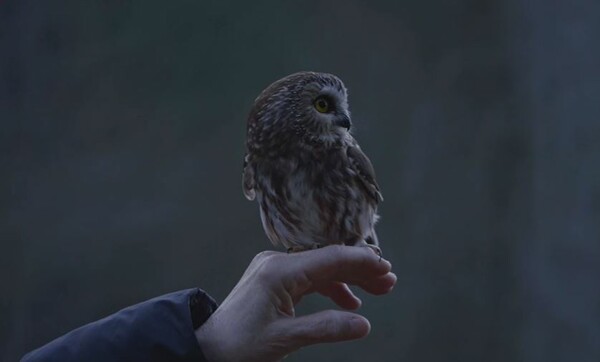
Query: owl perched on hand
313, 183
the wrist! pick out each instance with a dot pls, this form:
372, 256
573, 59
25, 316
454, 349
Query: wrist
210, 340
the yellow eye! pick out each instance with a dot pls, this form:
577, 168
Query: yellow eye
322, 105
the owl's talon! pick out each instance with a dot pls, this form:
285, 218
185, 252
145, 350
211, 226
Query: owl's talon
376, 249
299, 248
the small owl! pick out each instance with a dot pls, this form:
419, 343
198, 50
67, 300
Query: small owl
313, 183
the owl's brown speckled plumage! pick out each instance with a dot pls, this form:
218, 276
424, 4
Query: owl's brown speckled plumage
313, 183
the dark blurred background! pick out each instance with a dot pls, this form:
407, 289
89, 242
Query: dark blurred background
121, 144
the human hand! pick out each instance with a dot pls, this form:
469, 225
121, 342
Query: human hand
257, 322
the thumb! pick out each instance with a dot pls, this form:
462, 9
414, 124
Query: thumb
322, 327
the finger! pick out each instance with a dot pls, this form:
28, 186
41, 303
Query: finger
340, 294
380, 285
338, 263
321, 327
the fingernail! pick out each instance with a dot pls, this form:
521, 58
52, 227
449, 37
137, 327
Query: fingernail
393, 282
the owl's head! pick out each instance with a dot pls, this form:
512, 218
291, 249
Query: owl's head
307, 104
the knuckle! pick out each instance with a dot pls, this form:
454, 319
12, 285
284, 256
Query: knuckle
337, 248
264, 264
335, 252
264, 257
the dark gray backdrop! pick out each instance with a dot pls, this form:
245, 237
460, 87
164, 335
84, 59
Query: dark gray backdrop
121, 140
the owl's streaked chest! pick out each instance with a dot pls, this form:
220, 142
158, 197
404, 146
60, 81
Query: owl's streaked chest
312, 197
302, 173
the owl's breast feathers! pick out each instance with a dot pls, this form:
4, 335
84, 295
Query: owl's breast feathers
314, 195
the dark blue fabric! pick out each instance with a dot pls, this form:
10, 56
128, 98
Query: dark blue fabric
159, 329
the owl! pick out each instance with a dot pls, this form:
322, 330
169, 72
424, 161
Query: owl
313, 183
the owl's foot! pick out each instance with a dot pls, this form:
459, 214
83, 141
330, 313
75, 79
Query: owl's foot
299, 248
376, 249
295, 249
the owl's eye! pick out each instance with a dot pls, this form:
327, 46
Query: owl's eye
321, 105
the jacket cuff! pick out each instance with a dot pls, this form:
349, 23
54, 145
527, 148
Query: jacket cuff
202, 306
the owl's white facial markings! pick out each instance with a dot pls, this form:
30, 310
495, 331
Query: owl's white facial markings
335, 123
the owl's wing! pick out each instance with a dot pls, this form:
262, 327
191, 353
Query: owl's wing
361, 164
248, 179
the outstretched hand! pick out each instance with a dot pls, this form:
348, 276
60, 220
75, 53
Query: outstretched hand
257, 322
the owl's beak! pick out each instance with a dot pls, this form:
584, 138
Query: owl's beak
343, 121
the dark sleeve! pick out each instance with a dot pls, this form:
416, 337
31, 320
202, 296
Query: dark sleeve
160, 329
